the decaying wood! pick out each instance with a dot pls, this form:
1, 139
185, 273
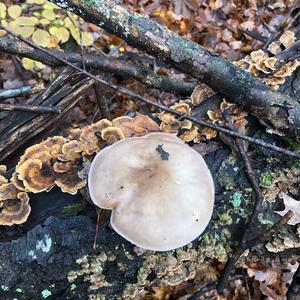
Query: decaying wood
63, 93
30, 108
276, 109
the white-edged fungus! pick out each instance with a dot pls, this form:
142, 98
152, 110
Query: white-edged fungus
159, 189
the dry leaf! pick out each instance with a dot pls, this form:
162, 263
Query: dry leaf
293, 205
268, 276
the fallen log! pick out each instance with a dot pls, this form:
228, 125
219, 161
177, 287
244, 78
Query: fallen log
63, 93
275, 109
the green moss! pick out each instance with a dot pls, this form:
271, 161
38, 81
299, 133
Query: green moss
74, 208
266, 179
225, 219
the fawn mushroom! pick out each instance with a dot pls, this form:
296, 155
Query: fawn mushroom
160, 190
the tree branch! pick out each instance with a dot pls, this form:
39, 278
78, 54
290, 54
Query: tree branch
92, 60
21, 91
274, 108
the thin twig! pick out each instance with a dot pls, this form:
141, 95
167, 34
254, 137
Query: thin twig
21, 91
165, 108
254, 35
202, 291
96, 231
81, 46
30, 108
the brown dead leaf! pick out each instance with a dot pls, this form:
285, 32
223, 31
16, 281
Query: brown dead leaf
293, 205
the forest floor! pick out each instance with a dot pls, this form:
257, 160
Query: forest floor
248, 251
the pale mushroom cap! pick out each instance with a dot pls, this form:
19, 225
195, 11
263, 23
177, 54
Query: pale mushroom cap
160, 190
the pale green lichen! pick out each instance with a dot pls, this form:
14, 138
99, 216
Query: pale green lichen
31, 253
45, 244
46, 293
236, 199
264, 220
19, 290
4, 288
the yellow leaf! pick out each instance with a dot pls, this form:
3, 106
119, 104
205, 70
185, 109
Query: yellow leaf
68, 23
37, 14
39, 2
49, 5
27, 21
87, 37
48, 14
14, 11
3, 32
44, 21
53, 30
27, 63
12, 24
62, 34
39, 65
41, 37
2, 10
24, 31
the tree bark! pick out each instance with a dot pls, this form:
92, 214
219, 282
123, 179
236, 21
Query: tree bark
93, 60
20, 127
239, 86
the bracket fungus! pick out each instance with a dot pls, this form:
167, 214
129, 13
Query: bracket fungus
159, 189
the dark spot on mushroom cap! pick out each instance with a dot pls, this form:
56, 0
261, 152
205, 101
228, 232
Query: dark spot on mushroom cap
163, 154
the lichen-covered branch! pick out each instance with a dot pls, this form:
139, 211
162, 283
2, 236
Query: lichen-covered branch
21, 91
92, 60
275, 109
